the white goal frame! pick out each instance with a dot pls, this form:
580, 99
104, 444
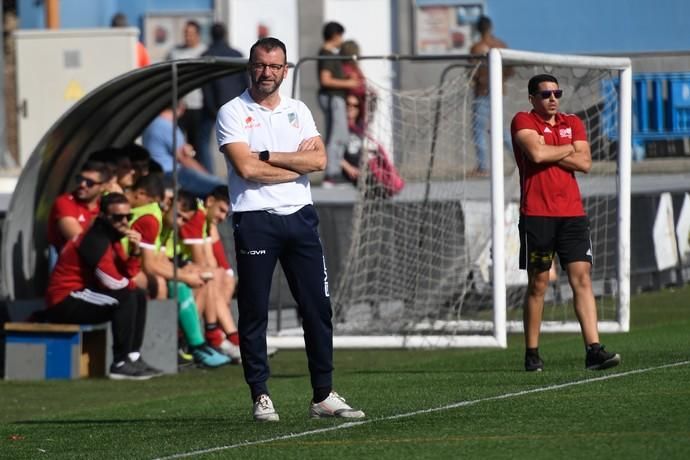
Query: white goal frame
293, 338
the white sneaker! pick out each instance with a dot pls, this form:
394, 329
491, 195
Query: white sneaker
264, 411
334, 406
231, 350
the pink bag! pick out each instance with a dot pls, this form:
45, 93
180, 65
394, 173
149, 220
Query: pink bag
384, 174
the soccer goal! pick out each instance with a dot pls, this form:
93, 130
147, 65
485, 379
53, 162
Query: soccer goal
437, 264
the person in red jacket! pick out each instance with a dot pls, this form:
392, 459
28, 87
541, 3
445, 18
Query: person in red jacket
550, 146
92, 283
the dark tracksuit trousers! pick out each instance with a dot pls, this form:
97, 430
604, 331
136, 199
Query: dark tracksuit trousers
261, 240
128, 317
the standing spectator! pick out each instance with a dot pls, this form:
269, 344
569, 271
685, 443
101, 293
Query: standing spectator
157, 139
217, 92
92, 283
143, 59
73, 212
481, 107
190, 121
271, 144
351, 69
549, 147
333, 86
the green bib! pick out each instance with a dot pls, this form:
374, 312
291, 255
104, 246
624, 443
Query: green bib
148, 209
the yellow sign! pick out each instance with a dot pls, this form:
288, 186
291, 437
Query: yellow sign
74, 91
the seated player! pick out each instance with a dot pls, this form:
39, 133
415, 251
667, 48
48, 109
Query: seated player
93, 283
73, 212
198, 237
157, 273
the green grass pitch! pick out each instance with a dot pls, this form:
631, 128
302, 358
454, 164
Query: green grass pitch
419, 404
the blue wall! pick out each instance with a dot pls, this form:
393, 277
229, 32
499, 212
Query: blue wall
594, 26
560, 26
97, 13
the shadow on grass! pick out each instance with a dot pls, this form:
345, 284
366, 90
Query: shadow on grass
117, 421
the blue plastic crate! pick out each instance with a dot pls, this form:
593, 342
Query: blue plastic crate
661, 106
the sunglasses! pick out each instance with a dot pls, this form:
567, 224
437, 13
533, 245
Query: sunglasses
89, 182
557, 93
120, 217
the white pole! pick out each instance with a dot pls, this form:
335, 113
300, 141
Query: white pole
624, 168
497, 199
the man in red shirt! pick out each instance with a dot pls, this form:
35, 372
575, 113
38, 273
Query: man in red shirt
92, 283
549, 147
73, 212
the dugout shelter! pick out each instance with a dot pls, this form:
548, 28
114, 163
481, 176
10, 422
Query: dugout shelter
113, 115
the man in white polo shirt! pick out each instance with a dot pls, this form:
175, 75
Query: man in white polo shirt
271, 144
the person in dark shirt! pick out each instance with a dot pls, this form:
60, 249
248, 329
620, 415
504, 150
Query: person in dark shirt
333, 86
218, 92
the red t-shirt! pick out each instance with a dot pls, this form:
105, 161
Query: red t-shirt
546, 188
193, 231
149, 228
67, 206
71, 274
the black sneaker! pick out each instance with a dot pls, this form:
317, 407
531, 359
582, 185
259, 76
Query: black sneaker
129, 371
146, 367
599, 359
533, 363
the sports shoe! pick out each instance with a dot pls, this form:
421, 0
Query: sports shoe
144, 366
230, 350
533, 363
184, 359
208, 357
599, 359
129, 371
333, 406
264, 410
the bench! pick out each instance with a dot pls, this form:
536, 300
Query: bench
38, 351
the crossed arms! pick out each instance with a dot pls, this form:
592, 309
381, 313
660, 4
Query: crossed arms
282, 166
571, 157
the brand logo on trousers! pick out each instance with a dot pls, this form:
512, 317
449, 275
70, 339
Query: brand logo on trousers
325, 278
253, 252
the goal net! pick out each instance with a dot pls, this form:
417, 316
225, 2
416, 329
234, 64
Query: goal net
437, 264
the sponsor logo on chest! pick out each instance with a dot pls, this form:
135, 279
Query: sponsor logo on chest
251, 123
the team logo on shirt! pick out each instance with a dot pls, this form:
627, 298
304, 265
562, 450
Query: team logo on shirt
565, 132
250, 123
293, 120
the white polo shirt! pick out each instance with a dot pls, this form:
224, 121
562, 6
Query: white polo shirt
279, 130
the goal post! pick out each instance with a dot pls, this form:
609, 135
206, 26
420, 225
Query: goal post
498, 58
436, 265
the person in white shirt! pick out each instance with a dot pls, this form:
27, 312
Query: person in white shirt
271, 143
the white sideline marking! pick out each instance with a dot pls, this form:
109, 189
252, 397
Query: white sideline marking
424, 411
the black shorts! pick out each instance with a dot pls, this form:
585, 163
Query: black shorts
541, 237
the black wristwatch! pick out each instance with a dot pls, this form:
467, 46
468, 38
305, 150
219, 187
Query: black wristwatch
264, 155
